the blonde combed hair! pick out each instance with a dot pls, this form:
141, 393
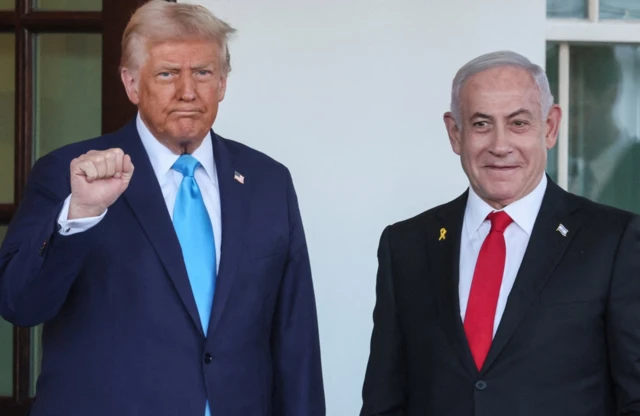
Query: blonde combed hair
159, 21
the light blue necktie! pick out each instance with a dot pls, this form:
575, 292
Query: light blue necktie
195, 233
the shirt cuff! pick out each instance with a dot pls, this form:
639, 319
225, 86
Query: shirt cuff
70, 227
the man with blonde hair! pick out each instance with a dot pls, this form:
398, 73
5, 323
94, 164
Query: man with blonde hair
183, 288
517, 298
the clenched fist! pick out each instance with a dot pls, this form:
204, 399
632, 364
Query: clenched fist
98, 178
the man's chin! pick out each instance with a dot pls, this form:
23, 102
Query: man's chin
190, 132
504, 195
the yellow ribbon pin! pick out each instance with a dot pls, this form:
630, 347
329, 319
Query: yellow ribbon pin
443, 234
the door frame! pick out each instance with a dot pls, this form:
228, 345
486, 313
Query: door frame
26, 22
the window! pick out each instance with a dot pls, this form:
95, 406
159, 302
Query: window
593, 62
58, 84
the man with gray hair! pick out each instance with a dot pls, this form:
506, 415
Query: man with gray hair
516, 298
183, 288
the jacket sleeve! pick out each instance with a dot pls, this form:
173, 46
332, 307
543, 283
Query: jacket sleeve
298, 381
623, 322
384, 392
38, 265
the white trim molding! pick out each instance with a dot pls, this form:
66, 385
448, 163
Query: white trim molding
594, 10
609, 31
563, 100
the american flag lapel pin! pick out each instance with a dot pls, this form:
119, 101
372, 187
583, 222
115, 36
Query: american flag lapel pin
237, 176
562, 230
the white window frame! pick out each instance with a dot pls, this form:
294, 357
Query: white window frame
589, 30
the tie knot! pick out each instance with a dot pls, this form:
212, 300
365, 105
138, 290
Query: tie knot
500, 220
186, 164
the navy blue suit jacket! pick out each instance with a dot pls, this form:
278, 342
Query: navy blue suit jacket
122, 334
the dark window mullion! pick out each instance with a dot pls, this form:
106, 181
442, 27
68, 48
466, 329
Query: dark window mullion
24, 109
62, 22
25, 23
8, 21
6, 213
23, 160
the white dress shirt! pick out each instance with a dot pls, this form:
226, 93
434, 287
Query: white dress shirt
161, 160
475, 229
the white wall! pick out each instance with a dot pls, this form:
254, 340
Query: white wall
349, 94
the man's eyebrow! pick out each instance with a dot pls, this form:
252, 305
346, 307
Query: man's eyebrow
480, 115
521, 111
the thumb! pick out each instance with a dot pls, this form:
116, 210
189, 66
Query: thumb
127, 168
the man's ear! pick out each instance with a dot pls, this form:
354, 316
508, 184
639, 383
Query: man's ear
223, 88
130, 81
454, 132
552, 126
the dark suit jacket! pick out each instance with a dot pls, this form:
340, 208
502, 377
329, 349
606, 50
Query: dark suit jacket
568, 343
122, 334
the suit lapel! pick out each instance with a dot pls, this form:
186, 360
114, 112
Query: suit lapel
444, 261
234, 200
144, 196
545, 249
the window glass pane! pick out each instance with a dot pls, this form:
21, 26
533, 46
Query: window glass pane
36, 357
552, 69
567, 9
68, 89
76, 5
68, 96
6, 348
7, 105
7, 4
619, 9
604, 127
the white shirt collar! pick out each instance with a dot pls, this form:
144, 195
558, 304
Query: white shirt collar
162, 158
523, 211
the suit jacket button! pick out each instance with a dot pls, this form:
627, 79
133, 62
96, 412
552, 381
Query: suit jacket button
481, 385
208, 358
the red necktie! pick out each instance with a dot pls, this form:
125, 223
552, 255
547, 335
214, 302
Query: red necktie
485, 288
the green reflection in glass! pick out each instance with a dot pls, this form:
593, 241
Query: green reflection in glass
7, 120
68, 89
552, 70
71, 5
604, 127
567, 9
6, 348
620, 9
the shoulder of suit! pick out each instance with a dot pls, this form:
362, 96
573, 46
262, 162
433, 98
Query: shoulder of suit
255, 157
600, 213
442, 211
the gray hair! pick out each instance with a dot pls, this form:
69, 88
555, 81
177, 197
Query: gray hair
496, 60
160, 21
